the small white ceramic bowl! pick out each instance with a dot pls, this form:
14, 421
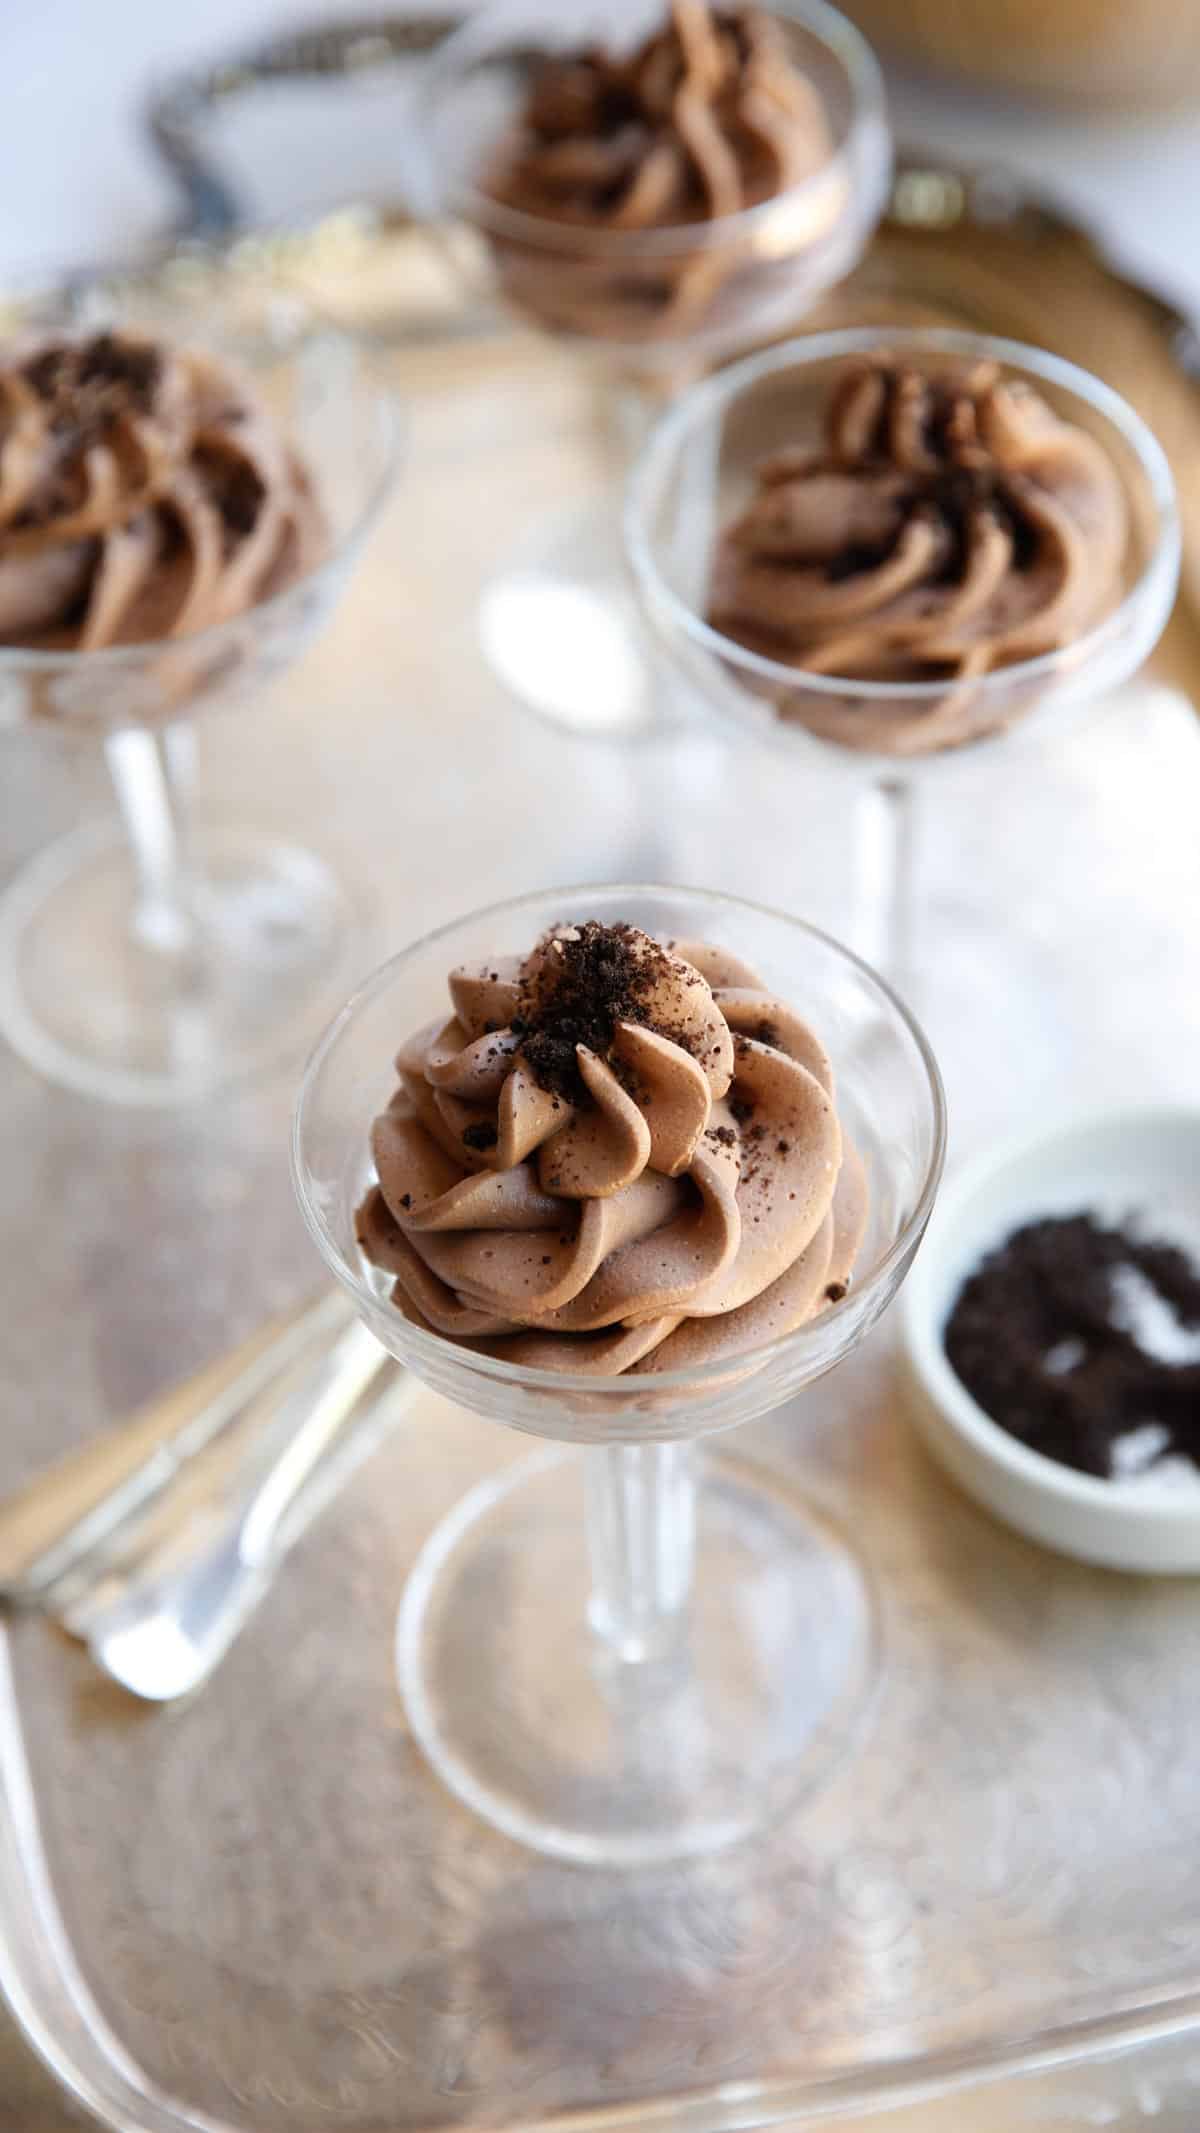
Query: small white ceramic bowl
1144, 1162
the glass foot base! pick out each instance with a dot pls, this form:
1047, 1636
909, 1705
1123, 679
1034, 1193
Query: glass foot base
526, 1717
89, 1003
560, 628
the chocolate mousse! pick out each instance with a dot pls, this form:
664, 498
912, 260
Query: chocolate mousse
706, 118
145, 493
617, 1155
943, 527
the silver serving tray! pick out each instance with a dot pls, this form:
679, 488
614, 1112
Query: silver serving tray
260, 1912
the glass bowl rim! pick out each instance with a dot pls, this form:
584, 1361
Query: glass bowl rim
119, 658
828, 25
713, 394
728, 1369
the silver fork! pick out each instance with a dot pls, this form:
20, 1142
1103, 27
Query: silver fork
62, 1524
162, 1534
161, 1626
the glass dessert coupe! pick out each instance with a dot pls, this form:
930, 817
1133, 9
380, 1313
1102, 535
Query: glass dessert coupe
157, 959
646, 306
611, 1654
892, 738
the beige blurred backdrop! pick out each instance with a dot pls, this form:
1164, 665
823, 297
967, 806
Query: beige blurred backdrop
1119, 53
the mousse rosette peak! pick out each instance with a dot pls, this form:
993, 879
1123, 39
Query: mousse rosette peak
944, 526
704, 119
145, 493
616, 1154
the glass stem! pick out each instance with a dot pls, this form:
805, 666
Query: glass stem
151, 773
884, 867
180, 755
641, 1533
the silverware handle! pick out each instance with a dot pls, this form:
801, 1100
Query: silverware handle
175, 1614
68, 1510
325, 1397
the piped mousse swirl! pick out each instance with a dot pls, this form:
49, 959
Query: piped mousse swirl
145, 493
707, 117
945, 526
617, 1155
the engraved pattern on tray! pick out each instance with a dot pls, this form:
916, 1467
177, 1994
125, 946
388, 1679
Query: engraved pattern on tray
1013, 1844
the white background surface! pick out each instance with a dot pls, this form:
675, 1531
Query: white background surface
80, 181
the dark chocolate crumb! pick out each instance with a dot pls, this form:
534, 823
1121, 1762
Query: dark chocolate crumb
575, 988
406, 1199
89, 385
483, 1134
835, 1292
1037, 1337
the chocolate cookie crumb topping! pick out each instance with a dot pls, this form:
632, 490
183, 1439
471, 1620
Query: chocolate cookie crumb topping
481, 1135
89, 385
575, 988
1053, 1335
128, 370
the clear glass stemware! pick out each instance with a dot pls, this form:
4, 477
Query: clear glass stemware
695, 474
614, 1653
556, 621
157, 959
